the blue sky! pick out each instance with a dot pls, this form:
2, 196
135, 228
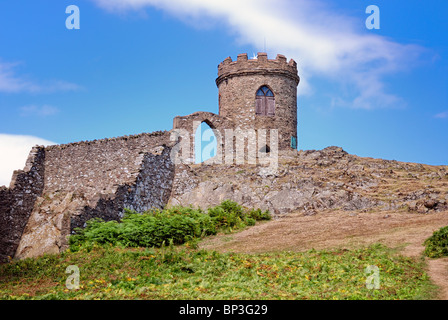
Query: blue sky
135, 64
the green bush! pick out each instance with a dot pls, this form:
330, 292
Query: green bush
257, 214
230, 215
437, 244
174, 225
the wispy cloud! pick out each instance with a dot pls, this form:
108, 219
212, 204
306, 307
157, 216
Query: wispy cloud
40, 111
12, 82
14, 150
324, 42
441, 115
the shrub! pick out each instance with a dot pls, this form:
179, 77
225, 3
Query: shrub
95, 231
228, 215
257, 214
174, 225
437, 244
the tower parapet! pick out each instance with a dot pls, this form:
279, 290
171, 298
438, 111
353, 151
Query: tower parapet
261, 65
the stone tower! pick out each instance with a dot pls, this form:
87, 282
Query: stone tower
260, 94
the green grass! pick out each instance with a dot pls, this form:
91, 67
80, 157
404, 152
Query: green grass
154, 256
180, 272
436, 246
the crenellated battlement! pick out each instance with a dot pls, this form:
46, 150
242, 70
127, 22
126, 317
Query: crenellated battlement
260, 65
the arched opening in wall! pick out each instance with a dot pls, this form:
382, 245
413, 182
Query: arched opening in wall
205, 143
265, 102
265, 149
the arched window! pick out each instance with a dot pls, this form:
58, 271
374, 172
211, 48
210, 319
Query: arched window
265, 102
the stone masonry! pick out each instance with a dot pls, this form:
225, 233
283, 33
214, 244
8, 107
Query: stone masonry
63, 186
17, 201
238, 82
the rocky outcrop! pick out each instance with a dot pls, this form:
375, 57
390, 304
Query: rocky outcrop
313, 180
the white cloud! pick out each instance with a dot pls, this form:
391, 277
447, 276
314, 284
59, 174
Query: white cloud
14, 150
324, 42
11, 82
41, 111
442, 115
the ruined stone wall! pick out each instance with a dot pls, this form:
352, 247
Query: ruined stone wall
150, 190
190, 124
238, 82
91, 179
16, 202
99, 166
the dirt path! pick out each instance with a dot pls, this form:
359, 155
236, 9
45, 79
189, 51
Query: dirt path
324, 230
438, 271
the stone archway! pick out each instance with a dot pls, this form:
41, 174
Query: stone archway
216, 122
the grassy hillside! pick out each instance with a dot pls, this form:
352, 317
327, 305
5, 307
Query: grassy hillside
182, 273
130, 260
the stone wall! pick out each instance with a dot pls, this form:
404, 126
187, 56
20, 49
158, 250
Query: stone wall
234, 145
189, 125
63, 186
99, 166
16, 202
150, 190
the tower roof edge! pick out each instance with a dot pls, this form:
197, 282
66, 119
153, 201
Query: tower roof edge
244, 66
